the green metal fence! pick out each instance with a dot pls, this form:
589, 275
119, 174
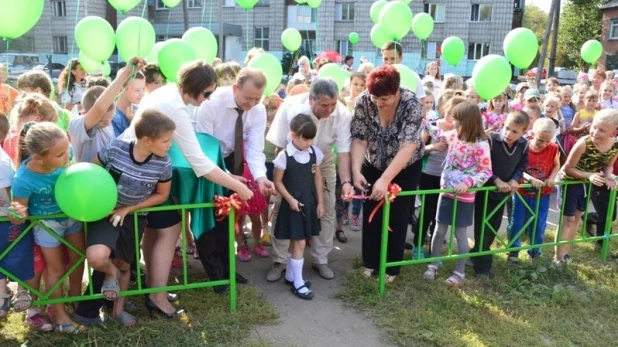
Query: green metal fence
44, 297
483, 193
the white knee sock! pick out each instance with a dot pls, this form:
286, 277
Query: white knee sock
289, 273
297, 268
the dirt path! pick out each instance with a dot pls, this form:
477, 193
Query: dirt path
324, 321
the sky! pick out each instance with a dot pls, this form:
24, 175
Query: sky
543, 4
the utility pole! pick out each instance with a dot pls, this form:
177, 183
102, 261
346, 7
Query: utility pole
220, 43
185, 15
539, 69
554, 40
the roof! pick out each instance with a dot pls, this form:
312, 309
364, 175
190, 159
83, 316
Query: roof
608, 5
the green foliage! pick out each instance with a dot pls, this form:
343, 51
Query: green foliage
580, 21
536, 20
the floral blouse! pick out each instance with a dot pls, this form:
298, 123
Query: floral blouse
383, 143
465, 162
492, 118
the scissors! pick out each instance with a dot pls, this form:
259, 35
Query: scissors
366, 191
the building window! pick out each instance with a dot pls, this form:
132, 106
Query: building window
477, 51
263, 3
309, 45
194, 3
430, 49
306, 14
343, 47
436, 11
261, 38
344, 11
518, 4
60, 45
480, 13
613, 29
161, 5
60, 8
229, 3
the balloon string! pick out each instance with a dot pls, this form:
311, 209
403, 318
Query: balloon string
210, 17
203, 12
248, 31
144, 8
169, 15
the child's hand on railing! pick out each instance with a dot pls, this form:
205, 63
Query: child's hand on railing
461, 188
18, 213
597, 179
550, 182
611, 183
502, 186
536, 183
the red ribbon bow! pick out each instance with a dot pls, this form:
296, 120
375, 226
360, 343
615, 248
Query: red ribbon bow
392, 191
224, 204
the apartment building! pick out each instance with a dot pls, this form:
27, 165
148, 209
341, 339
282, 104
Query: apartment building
482, 24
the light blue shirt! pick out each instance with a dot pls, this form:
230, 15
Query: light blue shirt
38, 188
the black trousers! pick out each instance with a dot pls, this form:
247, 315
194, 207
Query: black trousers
482, 264
429, 208
90, 308
407, 179
212, 247
600, 201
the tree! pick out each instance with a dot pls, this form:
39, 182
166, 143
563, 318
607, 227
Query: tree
536, 20
580, 21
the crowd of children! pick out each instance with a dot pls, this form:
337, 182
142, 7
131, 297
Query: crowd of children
566, 134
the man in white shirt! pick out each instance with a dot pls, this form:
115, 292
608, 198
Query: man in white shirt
333, 122
392, 53
234, 115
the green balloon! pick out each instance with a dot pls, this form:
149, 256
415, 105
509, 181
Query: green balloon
378, 36
153, 56
521, 47
173, 55
422, 25
106, 69
271, 67
453, 49
88, 64
334, 71
406, 77
82, 200
95, 37
353, 37
124, 5
396, 19
246, 4
203, 42
491, 75
591, 51
17, 17
291, 39
375, 10
314, 3
135, 37
171, 3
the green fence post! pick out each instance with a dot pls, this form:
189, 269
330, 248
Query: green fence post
232, 233
608, 224
384, 246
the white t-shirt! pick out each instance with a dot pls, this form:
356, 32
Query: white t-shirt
7, 172
302, 157
86, 144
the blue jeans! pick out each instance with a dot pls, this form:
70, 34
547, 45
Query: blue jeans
521, 215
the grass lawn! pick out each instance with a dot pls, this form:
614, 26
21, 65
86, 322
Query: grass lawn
529, 305
208, 321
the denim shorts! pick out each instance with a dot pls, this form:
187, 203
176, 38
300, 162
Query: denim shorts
62, 227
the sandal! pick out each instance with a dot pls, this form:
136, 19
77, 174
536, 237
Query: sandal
22, 301
430, 273
111, 288
125, 319
6, 304
308, 295
70, 328
291, 283
455, 279
340, 235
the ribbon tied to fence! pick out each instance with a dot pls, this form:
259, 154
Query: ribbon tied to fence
391, 193
223, 205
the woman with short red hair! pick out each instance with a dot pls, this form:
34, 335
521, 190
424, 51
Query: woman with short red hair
386, 148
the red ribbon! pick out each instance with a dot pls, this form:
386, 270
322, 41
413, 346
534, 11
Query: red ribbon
392, 191
223, 206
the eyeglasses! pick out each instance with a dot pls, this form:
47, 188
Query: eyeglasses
208, 93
